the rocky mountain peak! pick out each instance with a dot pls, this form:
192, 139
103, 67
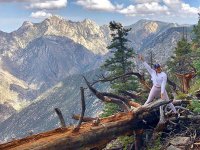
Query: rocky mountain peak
151, 27
27, 24
54, 20
87, 33
89, 22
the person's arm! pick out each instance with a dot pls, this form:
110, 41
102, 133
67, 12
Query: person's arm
163, 84
149, 69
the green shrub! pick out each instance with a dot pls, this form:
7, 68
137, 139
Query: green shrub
109, 109
156, 146
195, 106
126, 140
181, 95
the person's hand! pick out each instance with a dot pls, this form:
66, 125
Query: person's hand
162, 96
141, 57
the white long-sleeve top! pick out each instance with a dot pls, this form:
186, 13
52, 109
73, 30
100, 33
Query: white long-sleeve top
159, 79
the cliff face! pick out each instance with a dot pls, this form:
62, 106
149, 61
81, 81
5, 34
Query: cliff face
144, 31
6, 110
47, 60
163, 44
10, 98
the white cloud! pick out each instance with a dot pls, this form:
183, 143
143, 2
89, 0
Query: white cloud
188, 9
173, 4
48, 4
179, 8
145, 1
40, 14
105, 5
162, 8
20, 1
145, 8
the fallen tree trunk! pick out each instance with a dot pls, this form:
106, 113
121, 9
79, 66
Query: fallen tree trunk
88, 136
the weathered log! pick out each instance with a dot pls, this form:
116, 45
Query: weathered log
134, 104
88, 136
60, 116
85, 119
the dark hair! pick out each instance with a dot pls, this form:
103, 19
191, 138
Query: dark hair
156, 66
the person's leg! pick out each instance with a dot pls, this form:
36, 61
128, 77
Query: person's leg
153, 93
166, 97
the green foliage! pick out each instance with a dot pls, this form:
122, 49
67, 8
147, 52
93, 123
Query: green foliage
118, 64
126, 140
195, 106
156, 145
109, 109
196, 46
181, 95
197, 66
180, 63
196, 31
195, 87
121, 61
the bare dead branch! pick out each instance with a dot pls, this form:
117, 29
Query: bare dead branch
60, 116
187, 117
110, 79
82, 110
99, 95
116, 96
132, 95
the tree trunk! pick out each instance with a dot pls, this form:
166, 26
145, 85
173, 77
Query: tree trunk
89, 136
185, 80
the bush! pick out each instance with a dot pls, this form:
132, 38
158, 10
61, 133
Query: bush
195, 106
181, 95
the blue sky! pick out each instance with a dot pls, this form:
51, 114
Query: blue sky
14, 12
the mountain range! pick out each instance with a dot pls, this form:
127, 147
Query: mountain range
40, 115
47, 59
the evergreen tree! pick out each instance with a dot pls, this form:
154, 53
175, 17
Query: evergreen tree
118, 64
121, 62
180, 63
196, 46
196, 31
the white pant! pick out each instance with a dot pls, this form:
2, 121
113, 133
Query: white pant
155, 93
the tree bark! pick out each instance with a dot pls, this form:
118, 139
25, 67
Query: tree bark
82, 109
88, 136
185, 80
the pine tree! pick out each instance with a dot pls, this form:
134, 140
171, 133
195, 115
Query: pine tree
118, 64
181, 64
181, 61
196, 31
121, 62
196, 46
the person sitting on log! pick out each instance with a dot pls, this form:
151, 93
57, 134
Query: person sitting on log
159, 79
